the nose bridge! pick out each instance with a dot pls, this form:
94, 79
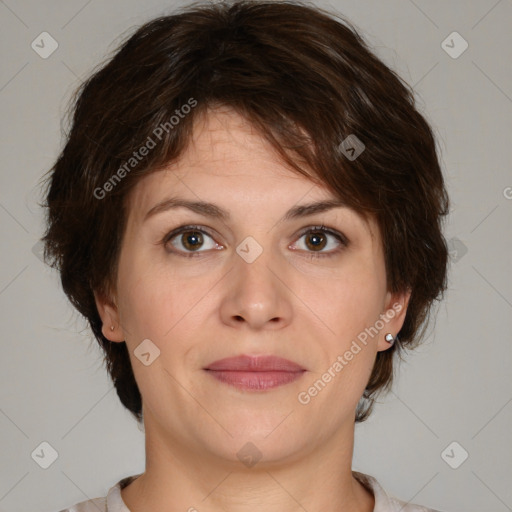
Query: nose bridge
252, 265
256, 293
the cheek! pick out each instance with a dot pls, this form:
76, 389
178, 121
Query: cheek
144, 297
348, 301
148, 309
158, 300
350, 309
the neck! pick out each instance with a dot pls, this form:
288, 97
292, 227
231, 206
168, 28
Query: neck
177, 477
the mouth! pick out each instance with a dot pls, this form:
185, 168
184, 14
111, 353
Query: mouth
255, 373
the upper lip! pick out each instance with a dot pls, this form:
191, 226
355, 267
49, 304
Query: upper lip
255, 364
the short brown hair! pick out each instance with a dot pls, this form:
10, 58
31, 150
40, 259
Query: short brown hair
306, 80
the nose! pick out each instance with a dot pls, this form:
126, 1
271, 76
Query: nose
257, 295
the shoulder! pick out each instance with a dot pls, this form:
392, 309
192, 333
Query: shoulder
95, 505
112, 502
384, 502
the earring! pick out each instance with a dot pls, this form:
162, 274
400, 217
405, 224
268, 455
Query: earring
389, 338
112, 327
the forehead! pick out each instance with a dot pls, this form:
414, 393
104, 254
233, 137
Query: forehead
229, 163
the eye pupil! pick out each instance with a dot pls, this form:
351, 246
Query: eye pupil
318, 240
193, 240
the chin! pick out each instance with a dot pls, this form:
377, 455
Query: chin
254, 444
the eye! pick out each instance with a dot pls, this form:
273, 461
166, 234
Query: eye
189, 239
316, 239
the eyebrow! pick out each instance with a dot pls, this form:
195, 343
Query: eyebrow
214, 211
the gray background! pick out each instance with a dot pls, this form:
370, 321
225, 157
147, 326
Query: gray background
456, 387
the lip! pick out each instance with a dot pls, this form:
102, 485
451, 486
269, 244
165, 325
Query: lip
255, 364
255, 373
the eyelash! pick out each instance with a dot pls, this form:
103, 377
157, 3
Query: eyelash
311, 255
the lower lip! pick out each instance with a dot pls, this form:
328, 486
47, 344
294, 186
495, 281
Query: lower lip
255, 381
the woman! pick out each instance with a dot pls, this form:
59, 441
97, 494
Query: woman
248, 211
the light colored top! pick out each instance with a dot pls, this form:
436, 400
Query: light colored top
113, 502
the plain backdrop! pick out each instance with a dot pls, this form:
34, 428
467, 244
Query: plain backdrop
441, 437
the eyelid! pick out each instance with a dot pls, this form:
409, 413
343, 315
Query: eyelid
341, 238
184, 229
327, 230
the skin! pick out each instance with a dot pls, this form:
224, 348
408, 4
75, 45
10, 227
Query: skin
215, 305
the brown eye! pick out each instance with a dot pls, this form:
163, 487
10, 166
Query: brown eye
188, 240
316, 240
191, 240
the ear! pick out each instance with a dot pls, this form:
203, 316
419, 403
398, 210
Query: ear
393, 316
109, 317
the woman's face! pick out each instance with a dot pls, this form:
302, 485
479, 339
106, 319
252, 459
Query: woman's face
256, 282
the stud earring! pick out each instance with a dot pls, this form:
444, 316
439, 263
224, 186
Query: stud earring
112, 327
389, 338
